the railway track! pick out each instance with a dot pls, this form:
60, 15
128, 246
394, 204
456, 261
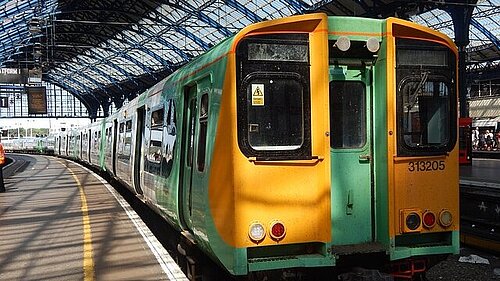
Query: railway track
16, 163
480, 215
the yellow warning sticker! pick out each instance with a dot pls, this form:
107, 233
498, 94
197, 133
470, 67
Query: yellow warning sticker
257, 94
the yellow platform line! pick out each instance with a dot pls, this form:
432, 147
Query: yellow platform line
88, 261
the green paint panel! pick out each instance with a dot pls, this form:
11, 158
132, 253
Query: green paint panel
351, 155
397, 253
355, 28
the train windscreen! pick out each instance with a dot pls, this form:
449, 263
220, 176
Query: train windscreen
273, 97
426, 98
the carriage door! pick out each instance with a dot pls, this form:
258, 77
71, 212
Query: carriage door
351, 154
188, 151
115, 144
138, 149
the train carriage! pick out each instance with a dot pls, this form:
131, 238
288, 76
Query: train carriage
303, 142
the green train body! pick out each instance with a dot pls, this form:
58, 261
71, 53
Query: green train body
297, 143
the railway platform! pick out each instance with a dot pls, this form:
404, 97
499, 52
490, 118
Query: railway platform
60, 221
482, 171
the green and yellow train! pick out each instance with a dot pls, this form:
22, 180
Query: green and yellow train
308, 142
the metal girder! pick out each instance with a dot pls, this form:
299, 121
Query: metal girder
208, 20
299, 5
20, 8
107, 76
75, 92
486, 32
158, 39
244, 10
72, 90
184, 32
193, 37
136, 62
174, 48
112, 64
18, 31
189, 9
80, 84
137, 45
91, 79
154, 55
127, 15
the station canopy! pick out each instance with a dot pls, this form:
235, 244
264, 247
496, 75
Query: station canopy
109, 51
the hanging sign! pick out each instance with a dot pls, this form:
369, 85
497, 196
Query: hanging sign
37, 100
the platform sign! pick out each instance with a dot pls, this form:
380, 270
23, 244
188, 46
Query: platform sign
37, 100
4, 102
13, 75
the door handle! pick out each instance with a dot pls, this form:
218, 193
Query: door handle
364, 158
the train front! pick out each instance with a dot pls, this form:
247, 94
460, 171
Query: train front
269, 186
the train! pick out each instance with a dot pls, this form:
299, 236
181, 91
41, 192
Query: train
31, 145
300, 144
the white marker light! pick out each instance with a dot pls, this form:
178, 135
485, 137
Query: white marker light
343, 43
256, 232
372, 44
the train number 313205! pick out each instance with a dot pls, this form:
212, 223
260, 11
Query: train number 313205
423, 166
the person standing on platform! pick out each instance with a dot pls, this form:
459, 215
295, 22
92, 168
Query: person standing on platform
475, 138
2, 162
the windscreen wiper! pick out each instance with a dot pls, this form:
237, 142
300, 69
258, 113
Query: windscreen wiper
412, 99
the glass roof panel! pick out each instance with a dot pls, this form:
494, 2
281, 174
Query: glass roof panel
180, 30
486, 12
127, 65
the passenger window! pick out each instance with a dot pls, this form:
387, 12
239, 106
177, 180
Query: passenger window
128, 138
192, 108
108, 141
169, 139
155, 154
121, 138
94, 142
347, 114
202, 141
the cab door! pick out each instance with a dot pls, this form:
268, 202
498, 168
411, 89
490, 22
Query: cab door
351, 155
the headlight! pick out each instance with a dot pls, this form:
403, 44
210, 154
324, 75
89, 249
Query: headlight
413, 221
256, 232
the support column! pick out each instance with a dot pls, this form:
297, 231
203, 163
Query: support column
118, 102
105, 105
93, 114
461, 15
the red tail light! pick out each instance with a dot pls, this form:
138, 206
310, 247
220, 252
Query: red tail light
278, 230
429, 219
